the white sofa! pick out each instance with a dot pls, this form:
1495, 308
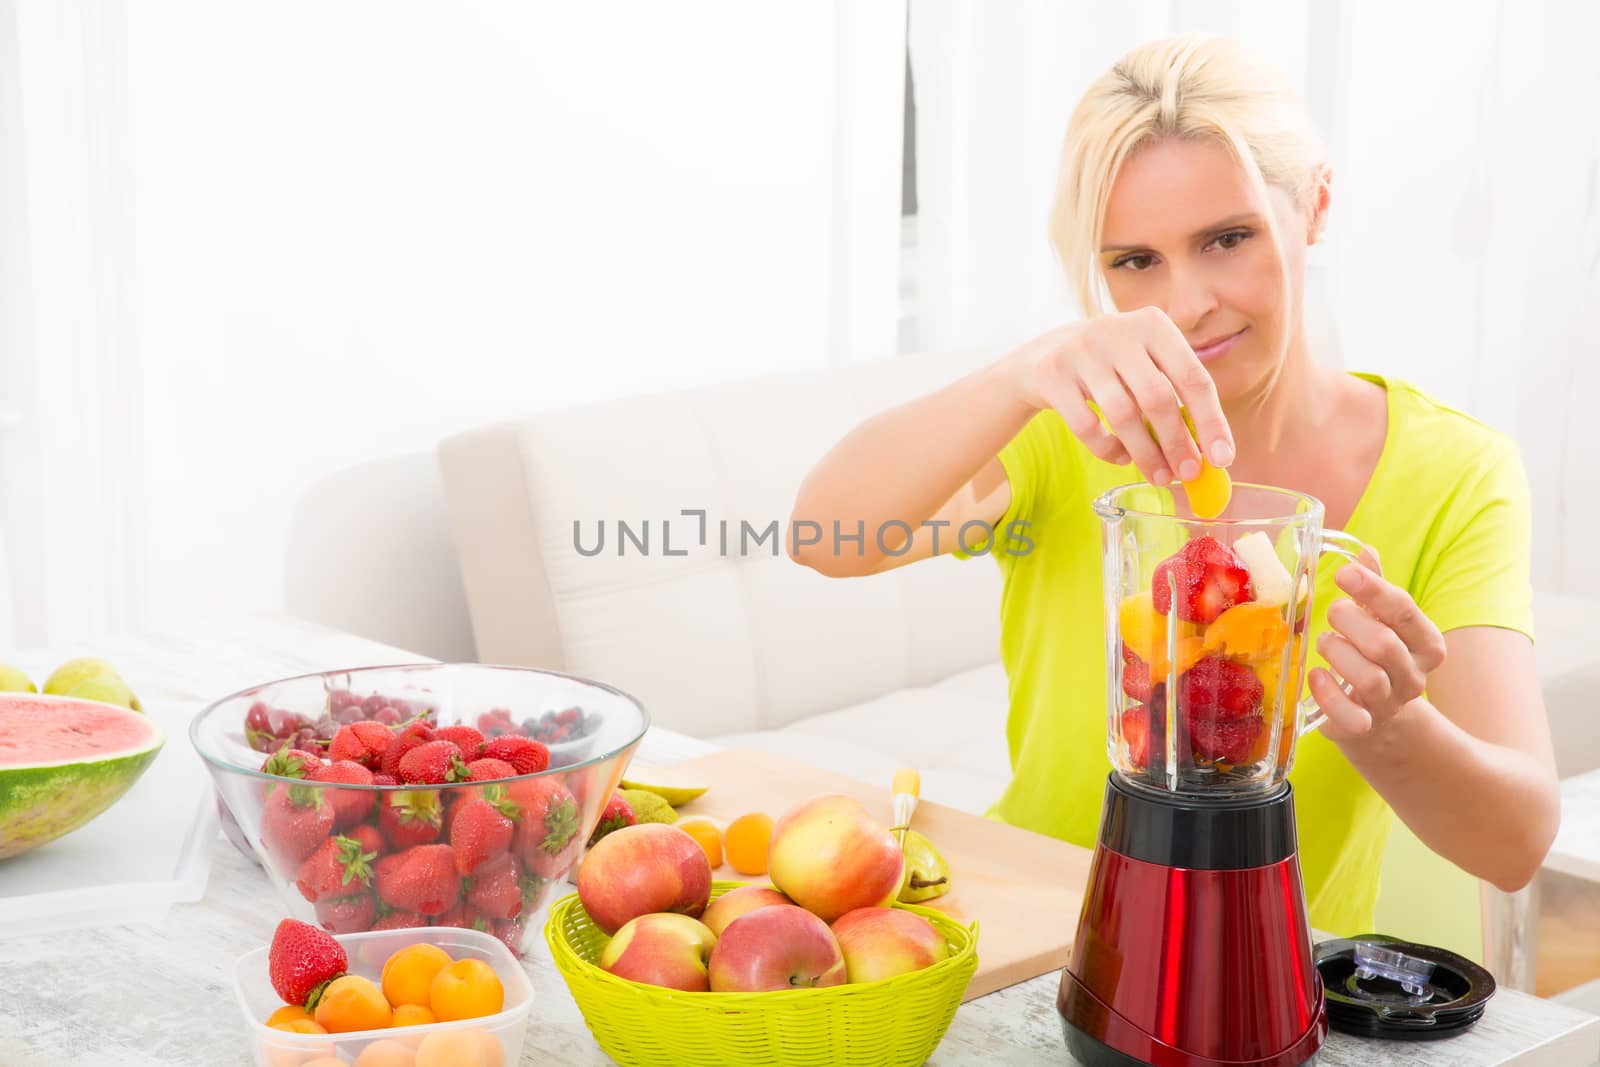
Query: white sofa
860, 676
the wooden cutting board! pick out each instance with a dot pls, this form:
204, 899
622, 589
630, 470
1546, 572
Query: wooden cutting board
1022, 888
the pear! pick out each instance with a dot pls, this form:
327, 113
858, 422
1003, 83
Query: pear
927, 874
91, 679
648, 806
12, 680
676, 795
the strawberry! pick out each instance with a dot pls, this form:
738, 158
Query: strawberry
524, 753
1136, 680
302, 961
487, 768
547, 837
294, 822
496, 722
617, 814
416, 734
1216, 688
348, 914
1136, 734
410, 817
291, 763
433, 763
337, 868
481, 828
422, 879
361, 742
468, 740
464, 916
400, 920
1224, 740
1209, 579
509, 931
498, 888
368, 837
384, 779
350, 806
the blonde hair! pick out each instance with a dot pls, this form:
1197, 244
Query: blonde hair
1193, 86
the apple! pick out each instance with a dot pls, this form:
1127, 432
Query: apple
829, 856
642, 869
662, 948
736, 902
883, 942
780, 946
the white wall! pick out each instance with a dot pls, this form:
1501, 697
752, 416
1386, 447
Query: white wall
357, 228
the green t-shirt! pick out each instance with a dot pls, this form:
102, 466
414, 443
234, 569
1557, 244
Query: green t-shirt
1448, 511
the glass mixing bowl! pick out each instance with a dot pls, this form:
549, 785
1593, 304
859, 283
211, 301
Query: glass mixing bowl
353, 856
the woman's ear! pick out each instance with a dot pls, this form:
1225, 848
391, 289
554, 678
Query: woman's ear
1317, 217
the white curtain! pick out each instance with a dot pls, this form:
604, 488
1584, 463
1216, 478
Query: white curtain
267, 244
69, 410
1464, 247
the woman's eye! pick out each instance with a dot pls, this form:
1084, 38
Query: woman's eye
1232, 239
1136, 262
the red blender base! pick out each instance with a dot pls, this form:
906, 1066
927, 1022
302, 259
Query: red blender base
1193, 948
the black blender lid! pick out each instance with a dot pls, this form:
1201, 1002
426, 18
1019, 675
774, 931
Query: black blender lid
1380, 986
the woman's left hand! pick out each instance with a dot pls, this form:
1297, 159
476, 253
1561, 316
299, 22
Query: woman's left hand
1381, 644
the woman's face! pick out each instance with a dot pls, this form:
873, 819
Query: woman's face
1184, 233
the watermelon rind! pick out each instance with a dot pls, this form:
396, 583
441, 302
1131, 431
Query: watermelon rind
43, 801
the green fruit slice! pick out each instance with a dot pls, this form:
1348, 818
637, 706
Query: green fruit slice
13, 680
676, 795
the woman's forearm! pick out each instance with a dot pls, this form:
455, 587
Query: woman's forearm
905, 463
1485, 807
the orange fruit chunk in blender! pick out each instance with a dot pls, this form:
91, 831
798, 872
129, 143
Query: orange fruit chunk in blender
1143, 630
1210, 491
1250, 631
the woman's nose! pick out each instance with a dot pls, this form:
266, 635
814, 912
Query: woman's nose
1190, 297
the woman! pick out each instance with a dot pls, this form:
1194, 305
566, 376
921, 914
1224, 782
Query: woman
1190, 186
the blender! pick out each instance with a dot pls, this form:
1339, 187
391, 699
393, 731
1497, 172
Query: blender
1193, 948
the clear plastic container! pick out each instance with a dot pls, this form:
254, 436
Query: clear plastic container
367, 953
1205, 635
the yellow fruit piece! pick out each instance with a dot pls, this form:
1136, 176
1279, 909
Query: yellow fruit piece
466, 989
307, 1025
413, 1015
1210, 492
649, 807
706, 835
13, 680
1142, 628
675, 795
1268, 671
1190, 651
288, 1014
408, 973
460, 1048
387, 1052
1253, 632
746, 841
353, 1003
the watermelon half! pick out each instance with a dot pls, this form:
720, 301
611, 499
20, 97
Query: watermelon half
64, 761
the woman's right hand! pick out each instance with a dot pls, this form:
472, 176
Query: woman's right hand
1138, 369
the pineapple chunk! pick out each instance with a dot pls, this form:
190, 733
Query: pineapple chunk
1269, 579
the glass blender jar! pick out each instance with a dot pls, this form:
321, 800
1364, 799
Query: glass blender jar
1205, 636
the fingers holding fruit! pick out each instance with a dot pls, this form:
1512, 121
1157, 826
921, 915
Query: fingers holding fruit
1123, 383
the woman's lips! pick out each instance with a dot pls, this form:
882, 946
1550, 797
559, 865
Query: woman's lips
1218, 349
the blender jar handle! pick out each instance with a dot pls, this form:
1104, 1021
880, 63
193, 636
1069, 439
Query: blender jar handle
1340, 544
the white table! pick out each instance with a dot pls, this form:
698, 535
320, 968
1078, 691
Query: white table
159, 995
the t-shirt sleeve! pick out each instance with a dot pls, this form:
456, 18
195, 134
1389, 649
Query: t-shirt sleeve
1481, 574
1024, 458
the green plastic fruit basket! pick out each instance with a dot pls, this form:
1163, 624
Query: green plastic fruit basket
898, 1020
